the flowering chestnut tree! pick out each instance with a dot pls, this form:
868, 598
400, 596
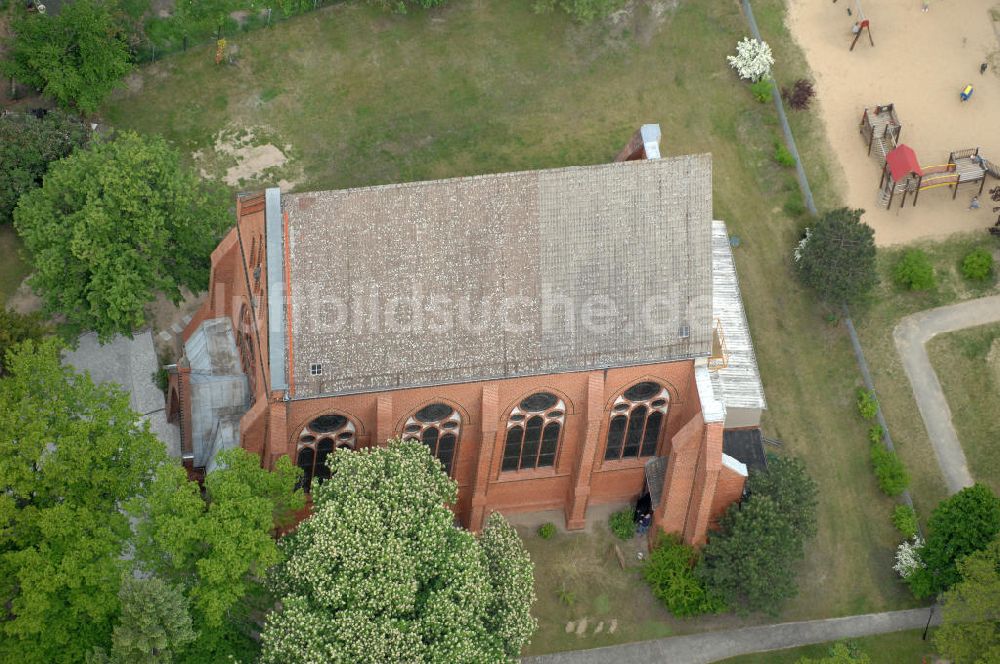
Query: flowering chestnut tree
753, 59
380, 573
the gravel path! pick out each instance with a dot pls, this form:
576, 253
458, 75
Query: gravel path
911, 334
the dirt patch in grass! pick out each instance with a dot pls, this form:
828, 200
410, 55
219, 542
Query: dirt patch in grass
13, 269
248, 158
968, 365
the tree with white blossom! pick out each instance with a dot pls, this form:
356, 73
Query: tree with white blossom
753, 59
380, 572
908, 557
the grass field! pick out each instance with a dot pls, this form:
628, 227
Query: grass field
355, 97
893, 648
970, 376
875, 325
13, 270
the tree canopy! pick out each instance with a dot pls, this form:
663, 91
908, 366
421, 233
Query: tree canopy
70, 453
115, 223
749, 560
218, 547
837, 257
27, 146
970, 628
380, 573
77, 56
107, 550
959, 526
15, 328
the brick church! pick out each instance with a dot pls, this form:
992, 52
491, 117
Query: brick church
557, 338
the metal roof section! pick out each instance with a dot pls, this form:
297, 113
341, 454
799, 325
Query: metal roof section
734, 464
745, 445
513, 274
738, 382
274, 233
220, 394
712, 408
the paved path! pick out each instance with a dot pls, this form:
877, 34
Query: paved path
713, 646
910, 336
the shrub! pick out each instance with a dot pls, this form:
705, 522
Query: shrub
800, 96
546, 530
670, 575
794, 205
761, 90
977, 265
908, 558
782, 155
889, 470
623, 524
914, 271
905, 520
867, 405
753, 59
875, 433
401, 6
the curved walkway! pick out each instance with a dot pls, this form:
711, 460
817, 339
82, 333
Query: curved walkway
910, 335
713, 646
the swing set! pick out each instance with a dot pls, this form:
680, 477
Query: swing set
861, 25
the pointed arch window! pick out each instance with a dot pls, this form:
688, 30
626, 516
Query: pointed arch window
317, 441
638, 417
244, 342
438, 426
534, 430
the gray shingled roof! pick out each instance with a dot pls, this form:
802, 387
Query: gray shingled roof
635, 236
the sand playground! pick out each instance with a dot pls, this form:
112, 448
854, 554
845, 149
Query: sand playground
920, 62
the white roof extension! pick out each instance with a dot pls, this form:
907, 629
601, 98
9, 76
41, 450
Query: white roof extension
738, 384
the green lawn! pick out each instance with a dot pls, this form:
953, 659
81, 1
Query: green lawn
363, 98
968, 365
13, 270
893, 648
875, 324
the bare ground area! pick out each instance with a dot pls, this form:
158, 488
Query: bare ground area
920, 62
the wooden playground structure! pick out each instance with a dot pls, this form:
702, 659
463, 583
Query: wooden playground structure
902, 172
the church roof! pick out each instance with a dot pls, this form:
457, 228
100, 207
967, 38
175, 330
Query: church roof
497, 276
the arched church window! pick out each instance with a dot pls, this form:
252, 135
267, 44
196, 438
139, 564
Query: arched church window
317, 441
638, 416
438, 426
533, 431
244, 343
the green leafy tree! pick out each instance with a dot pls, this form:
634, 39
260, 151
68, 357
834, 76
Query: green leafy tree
787, 483
70, 453
217, 547
959, 526
749, 560
970, 628
15, 328
840, 653
27, 146
154, 624
837, 257
114, 223
380, 573
77, 57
